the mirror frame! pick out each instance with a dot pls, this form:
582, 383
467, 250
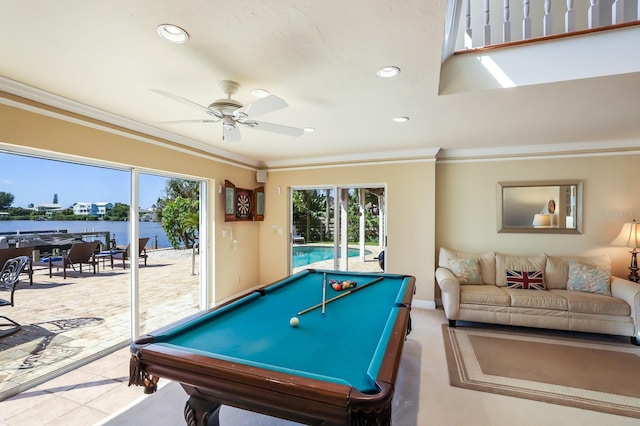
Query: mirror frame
531, 230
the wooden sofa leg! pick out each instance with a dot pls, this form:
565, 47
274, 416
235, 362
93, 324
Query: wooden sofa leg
452, 323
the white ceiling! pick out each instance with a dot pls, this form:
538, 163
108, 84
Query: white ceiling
320, 56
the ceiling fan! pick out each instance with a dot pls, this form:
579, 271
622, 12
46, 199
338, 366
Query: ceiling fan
232, 113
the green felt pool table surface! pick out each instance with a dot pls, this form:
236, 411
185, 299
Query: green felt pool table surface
339, 345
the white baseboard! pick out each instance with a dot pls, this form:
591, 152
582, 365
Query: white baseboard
424, 304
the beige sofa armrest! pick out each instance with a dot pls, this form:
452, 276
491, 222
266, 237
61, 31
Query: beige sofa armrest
450, 288
630, 293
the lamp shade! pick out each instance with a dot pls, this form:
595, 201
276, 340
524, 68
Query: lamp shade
542, 220
629, 235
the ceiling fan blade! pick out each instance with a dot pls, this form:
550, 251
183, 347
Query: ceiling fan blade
188, 121
277, 128
230, 133
259, 107
185, 101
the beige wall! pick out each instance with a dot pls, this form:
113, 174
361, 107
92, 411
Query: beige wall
410, 216
466, 203
235, 267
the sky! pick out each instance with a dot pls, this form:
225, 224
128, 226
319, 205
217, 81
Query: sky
34, 180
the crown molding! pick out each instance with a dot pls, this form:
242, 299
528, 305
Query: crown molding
359, 159
68, 105
574, 149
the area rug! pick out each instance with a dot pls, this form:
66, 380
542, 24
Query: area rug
593, 374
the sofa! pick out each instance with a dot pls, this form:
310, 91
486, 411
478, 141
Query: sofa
554, 292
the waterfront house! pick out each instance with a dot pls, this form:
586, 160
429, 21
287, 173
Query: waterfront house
85, 208
103, 206
48, 208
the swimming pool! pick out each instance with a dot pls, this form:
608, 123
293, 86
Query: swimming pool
305, 255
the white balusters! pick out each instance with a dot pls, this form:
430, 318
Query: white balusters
526, 21
570, 18
547, 28
593, 18
487, 25
574, 19
617, 12
506, 24
468, 39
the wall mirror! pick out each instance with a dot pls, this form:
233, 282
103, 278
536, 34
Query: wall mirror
540, 207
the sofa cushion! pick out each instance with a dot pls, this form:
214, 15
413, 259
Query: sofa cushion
483, 295
526, 280
592, 303
517, 263
557, 270
536, 299
487, 262
467, 271
589, 279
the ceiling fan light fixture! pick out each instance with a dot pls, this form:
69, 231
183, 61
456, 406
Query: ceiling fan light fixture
400, 119
228, 122
388, 71
260, 93
172, 33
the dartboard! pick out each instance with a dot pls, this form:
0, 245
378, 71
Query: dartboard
243, 204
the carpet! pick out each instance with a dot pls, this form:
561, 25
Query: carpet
165, 407
596, 373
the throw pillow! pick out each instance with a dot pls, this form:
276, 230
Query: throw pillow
526, 280
467, 270
517, 263
589, 279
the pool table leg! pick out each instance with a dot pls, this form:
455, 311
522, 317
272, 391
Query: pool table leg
198, 412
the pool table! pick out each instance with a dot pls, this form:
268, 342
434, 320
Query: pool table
333, 368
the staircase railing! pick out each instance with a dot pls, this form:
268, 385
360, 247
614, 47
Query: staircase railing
473, 24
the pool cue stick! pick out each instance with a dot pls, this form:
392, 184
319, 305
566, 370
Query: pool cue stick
324, 291
341, 295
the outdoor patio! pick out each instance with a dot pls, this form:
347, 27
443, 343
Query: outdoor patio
64, 321
67, 322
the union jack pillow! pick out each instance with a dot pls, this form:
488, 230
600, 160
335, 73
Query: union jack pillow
526, 280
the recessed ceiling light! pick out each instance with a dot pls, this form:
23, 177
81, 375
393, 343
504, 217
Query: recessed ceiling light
388, 71
172, 33
260, 93
309, 129
401, 119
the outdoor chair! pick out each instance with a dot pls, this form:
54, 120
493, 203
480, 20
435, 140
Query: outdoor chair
13, 252
9, 280
123, 253
79, 254
296, 238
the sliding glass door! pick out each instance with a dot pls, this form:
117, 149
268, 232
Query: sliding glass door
340, 228
312, 228
168, 230
72, 314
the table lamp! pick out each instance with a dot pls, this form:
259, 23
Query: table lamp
629, 237
541, 221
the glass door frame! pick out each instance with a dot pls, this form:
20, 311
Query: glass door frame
203, 232
337, 221
291, 225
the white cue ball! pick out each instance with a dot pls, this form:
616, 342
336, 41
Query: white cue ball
294, 322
